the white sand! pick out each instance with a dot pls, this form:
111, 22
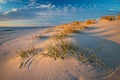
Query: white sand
103, 34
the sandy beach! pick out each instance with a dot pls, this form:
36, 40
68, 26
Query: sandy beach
102, 34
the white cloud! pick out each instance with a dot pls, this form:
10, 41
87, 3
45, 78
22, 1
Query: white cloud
74, 8
49, 6
13, 10
2, 1
65, 9
111, 9
68, 8
32, 3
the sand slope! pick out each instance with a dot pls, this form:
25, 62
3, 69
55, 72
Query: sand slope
103, 34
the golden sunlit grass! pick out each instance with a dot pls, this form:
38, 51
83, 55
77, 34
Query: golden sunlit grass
26, 53
58, 35
89, 22
70, 29
73, 27
109, 18
60, 49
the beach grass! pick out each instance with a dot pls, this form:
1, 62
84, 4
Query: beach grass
27, 52
59, 48
109, 18
89, 22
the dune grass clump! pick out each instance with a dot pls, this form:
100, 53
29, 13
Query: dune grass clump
60, 49
75, 23
73, 27
27, 56
89, 56
89, 22
58, 35
70, 29
26, 53
109, 18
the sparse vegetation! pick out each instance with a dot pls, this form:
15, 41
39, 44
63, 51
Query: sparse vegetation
89, 22
26, 53
60, 49
75, 23
109, 18
58, 35
89, 56
70, 29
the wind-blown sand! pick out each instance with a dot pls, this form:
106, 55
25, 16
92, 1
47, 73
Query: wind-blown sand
103, 34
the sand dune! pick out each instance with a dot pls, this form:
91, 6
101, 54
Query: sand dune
103, 34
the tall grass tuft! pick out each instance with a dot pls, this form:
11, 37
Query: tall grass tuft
27, 56
26, 53
60, 49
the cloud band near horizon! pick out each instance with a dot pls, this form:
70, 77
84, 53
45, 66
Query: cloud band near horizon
53, 12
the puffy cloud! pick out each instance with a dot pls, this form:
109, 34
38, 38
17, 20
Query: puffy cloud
49, 6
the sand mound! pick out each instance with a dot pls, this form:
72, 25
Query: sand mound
103, 34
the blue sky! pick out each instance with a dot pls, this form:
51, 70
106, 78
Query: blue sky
53, 12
